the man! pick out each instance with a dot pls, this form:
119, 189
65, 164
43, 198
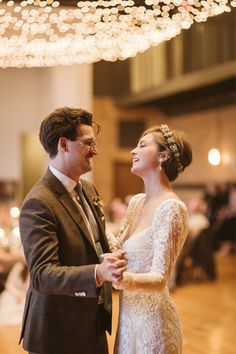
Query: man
68, 305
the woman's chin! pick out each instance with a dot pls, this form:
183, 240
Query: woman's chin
134, 170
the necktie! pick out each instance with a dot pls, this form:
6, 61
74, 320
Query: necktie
82, 201
89, 215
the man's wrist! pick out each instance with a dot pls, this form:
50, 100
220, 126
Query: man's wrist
98, 282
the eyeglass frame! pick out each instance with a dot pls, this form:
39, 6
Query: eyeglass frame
91, 143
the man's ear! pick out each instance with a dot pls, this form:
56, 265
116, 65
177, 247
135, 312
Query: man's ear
63, 144
164, 156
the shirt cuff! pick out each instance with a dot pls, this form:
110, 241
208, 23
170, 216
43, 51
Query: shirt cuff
98, 283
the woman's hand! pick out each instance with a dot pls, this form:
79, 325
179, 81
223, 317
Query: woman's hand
112, 267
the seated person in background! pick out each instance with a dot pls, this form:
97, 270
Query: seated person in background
7, 261
225, 233
197, 254
117, 212
12, 299
197, 217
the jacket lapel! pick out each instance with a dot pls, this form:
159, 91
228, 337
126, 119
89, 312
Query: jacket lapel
98, 215
66, 200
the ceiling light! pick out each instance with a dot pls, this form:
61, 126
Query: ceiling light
36, 33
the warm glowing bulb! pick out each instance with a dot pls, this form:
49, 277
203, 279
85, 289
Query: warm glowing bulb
16, 232
3, 238
2, 232
214, 157
14, 211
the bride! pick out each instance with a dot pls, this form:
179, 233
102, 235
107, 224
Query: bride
152, 236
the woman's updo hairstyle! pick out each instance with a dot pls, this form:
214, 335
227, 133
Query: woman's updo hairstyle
175, 142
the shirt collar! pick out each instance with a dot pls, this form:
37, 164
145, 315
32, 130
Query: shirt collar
67, 182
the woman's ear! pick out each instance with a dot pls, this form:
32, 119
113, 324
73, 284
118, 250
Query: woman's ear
164, 156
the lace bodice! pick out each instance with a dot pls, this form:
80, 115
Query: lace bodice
152, 253
148, 321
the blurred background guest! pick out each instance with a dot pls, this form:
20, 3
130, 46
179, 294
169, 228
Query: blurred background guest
12, 298
116, 214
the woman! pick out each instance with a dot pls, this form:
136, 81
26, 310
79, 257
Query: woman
152, 236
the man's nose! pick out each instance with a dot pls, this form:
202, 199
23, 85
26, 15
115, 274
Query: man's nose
94, 150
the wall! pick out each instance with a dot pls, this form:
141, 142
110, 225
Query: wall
20, 112
26, 97
209, 129
206, 129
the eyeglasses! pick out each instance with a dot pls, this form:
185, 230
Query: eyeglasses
89, 142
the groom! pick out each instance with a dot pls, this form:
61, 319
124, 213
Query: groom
68, 304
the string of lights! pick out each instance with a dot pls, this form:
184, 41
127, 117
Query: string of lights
48, 33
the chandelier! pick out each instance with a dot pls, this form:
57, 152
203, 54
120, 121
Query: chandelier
35, 33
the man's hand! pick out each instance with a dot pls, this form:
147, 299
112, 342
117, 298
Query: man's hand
112, 267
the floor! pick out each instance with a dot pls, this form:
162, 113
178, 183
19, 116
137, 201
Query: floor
207, 312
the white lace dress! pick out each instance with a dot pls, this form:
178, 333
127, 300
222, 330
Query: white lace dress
148, 321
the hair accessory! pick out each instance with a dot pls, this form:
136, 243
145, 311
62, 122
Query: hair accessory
172, 145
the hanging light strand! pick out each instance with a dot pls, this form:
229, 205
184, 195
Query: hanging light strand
46, 33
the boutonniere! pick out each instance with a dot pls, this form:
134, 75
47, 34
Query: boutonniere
98, 204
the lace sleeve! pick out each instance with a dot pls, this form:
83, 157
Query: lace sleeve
169, 232
113, 241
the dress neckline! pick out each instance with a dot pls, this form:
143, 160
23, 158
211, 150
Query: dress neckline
157, 208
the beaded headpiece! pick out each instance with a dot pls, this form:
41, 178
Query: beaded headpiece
172, 145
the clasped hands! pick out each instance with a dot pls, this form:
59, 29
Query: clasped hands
112, 267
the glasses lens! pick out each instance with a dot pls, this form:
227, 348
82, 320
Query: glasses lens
90, 143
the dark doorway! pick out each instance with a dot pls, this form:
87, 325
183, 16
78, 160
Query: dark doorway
125, 183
